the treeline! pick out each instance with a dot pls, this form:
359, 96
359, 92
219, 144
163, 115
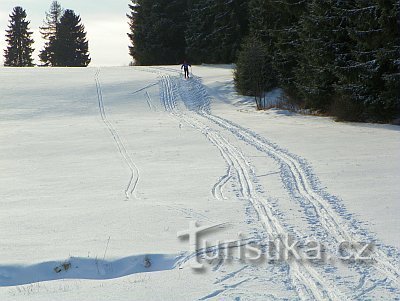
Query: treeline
202, 31
66, 44
334, 57
337, 57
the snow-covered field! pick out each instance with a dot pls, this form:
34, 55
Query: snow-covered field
101, 168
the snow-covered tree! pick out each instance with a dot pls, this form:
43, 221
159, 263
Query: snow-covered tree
369, 72
340, 57
19, 50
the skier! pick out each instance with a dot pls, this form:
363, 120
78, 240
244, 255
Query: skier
185, 67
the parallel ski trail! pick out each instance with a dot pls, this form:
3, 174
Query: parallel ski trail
329, 219
309, 284
217, 190
135, 174
152, 107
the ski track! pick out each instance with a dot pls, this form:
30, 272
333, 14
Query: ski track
308, 283
145, 88
327, 217
135, 174
150, 103
217, 190
325, 213
225, 288
304, 183
297, 177
230, 275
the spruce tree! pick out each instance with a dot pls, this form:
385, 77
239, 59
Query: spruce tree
263, 23
157, 31
135, 29
253, 73
198, 34
389, 58
340, 57
72, 48
277, 24
216, 30
19, 49
369, 72
323, 36
49, 33
264, 19
287, 42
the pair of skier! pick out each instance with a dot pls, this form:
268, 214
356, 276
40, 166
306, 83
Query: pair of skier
185, 67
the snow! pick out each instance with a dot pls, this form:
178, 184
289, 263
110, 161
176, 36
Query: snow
101, 168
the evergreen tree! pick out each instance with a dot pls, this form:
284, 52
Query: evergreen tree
277, 24
264, 22
287, 42
253, 73
340, 57
49, 33
19, 50
157, 31
389, 58
369, 72
135, 31
198, 34
323, 35
71, 46
215, 30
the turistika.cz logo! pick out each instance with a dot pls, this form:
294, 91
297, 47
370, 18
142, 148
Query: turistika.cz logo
279, 248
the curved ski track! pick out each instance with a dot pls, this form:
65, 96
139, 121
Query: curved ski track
309, 284
135, 174
300, 181
327, 217
296, 174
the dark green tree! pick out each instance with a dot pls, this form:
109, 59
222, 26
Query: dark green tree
199, 31
137, 34
264, 22
253, 74
287, 42
215, 30
276, 23
389, 58
157, 31
71, 46
49, 33
369, 72
19, 50
340, 57
323, 36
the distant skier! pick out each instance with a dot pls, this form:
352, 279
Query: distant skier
185, 67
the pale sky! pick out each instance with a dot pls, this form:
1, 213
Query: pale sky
105, 22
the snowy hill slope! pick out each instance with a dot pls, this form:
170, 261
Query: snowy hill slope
101, 168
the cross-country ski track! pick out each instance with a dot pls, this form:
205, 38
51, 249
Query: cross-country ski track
295, 173
177, 110
134, 171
